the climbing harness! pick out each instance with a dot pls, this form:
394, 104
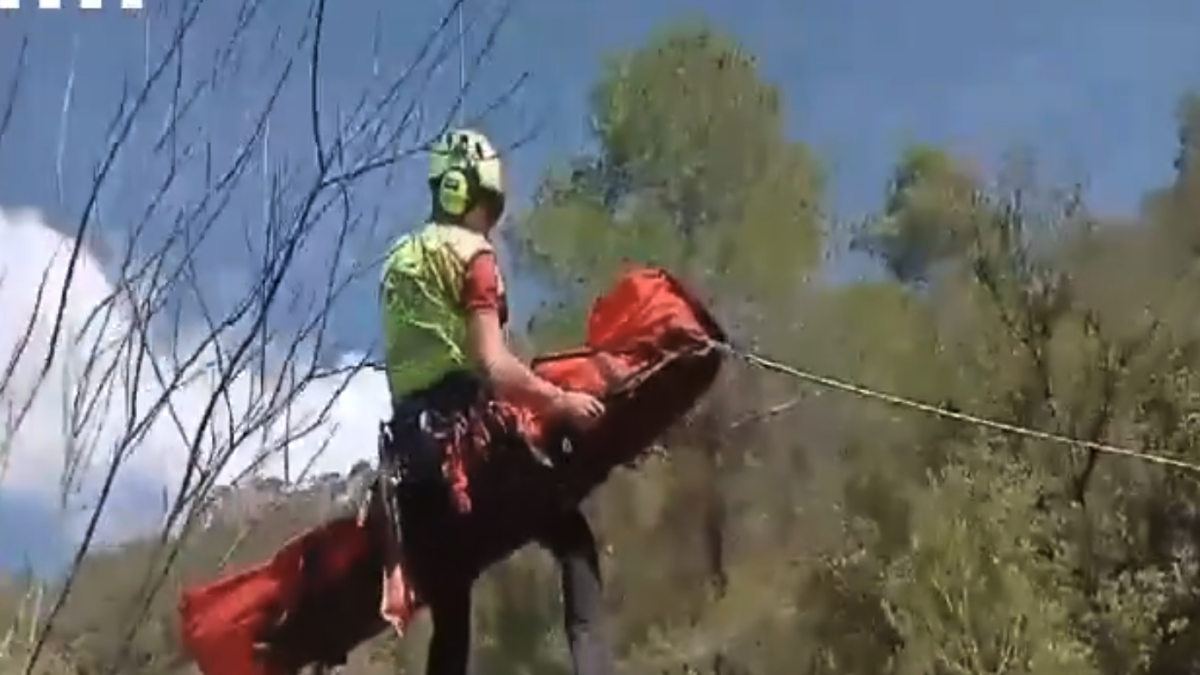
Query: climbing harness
938, 411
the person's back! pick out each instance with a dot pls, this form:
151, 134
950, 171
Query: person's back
430, 284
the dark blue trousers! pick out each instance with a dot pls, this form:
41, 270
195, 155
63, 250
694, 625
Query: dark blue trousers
574, 548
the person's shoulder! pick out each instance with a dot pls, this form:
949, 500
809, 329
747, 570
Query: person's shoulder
465, 243
405, 253
414, 240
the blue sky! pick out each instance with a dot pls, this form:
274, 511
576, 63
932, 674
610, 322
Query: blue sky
1091, 85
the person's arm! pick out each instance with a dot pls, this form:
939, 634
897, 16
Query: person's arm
487, 345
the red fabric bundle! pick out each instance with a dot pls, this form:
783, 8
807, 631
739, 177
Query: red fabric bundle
336, 565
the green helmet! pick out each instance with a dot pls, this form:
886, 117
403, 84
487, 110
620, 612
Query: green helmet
471, 150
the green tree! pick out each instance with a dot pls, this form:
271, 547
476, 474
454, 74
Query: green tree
926, 217
693, 170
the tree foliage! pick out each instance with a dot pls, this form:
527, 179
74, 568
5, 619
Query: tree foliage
692, 170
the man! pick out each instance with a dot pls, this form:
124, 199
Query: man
444, 315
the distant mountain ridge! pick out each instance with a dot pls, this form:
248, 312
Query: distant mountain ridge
32, 538
234, 504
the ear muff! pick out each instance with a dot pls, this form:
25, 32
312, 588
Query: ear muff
457, 190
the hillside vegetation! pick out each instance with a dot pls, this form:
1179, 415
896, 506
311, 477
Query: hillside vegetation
840, 535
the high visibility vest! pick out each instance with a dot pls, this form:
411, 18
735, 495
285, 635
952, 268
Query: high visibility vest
425, 323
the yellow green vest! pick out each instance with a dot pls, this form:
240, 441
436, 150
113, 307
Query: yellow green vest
424, 322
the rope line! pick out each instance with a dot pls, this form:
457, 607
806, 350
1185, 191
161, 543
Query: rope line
945, 413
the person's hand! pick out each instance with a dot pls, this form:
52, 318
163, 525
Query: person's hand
580, 409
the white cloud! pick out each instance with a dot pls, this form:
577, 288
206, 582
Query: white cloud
40, 447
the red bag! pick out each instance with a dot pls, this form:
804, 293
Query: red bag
649, 354
223, 621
